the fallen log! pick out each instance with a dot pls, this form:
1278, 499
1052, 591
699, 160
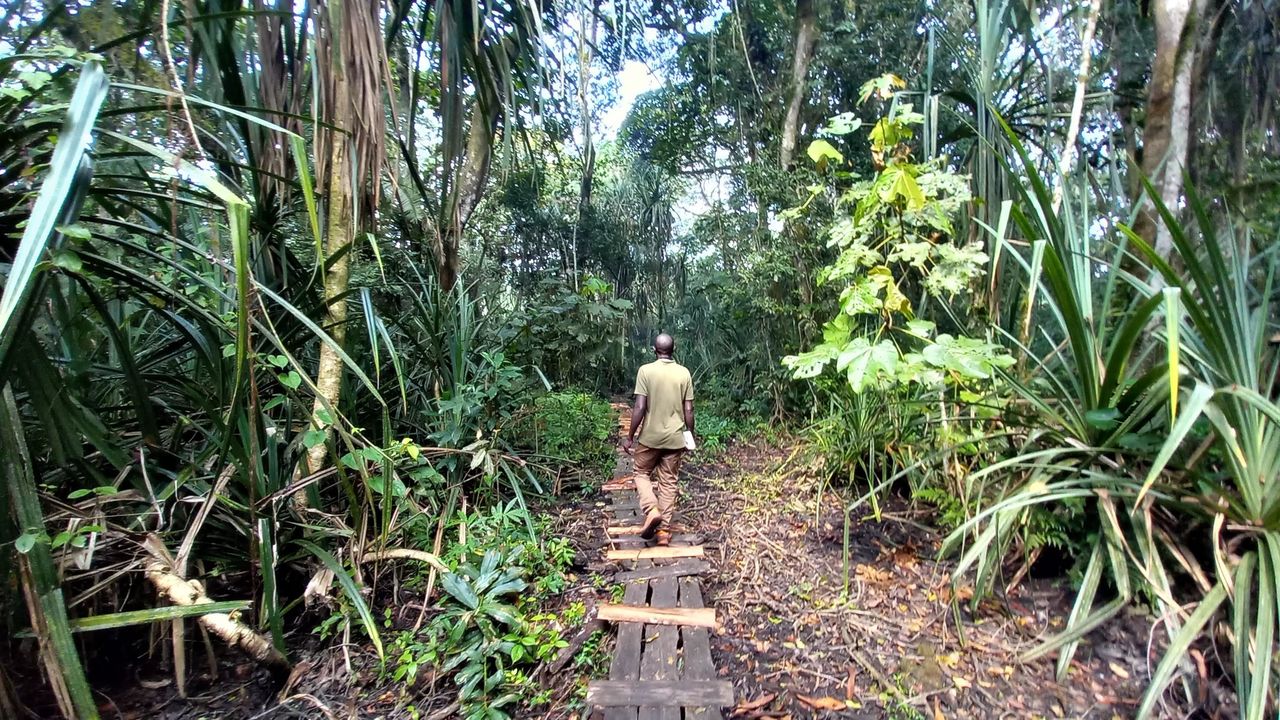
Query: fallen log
180, 591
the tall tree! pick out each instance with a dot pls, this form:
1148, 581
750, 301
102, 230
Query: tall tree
1166, 136
350, 153
806, 39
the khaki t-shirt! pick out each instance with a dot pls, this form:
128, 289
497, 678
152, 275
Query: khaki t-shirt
667, 384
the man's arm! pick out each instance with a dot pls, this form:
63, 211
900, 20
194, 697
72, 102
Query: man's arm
688, 415
638, 412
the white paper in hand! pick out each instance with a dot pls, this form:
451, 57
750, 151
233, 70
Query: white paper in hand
689, 444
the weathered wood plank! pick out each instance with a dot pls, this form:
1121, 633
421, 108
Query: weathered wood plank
695, 650
680, 540
698, 617
625, 666
677, 693
677, 569
661, 645
656, 553
615, 530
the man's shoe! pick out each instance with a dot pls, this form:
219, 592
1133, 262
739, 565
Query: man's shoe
664, 538
652, 522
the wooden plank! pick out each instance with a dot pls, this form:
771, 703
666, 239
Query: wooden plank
689, 693
678, 569
695, 650
661, 645
613, 530
655, 553
679, 540
701, 617
625, 666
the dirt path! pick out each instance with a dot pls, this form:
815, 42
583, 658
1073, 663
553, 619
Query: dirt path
798, 643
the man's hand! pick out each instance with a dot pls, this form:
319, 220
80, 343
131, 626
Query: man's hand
628, 446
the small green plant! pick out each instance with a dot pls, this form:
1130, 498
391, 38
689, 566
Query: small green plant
715, 432
574, 613
593, 658
480, 634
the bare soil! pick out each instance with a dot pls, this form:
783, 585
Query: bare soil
800, 639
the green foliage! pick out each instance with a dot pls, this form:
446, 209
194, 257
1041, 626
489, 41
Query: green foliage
572, 336
716, 431
488, 634
567, 434
898, 231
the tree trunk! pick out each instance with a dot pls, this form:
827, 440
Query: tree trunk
806, 37
468, 189
185, 593
339, 233
349, 49
1067, 161
1166, 134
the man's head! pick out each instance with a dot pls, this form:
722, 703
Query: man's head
664, 345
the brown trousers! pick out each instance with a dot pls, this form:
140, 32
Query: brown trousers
666, 465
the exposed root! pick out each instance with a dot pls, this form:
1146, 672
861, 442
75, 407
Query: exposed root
181, 591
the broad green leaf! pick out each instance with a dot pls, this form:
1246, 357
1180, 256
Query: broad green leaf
458, 587
76, 231
841, 124
900, 186
862, 297
915, 254
25, 542
836, 332
921, 328
68, 260
821, 152
865, 365
810, 364
894, 300
1102, 418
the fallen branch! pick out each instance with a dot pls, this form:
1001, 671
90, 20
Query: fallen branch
589, 628
181, 591
405, 554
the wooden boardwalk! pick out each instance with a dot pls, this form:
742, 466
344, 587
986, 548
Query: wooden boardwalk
661, 668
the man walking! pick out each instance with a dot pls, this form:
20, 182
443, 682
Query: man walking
663, 417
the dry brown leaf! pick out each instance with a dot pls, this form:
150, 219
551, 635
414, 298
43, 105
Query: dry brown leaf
850, 689
756, 704
822, 703
962, 683
937, 710
873, 574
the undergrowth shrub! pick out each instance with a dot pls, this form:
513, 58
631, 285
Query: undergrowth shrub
567, 434
716, 431
488, 633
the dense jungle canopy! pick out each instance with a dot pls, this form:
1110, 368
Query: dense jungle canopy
313, 312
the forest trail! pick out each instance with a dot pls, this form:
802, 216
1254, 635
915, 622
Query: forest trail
795, 643
662, 650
